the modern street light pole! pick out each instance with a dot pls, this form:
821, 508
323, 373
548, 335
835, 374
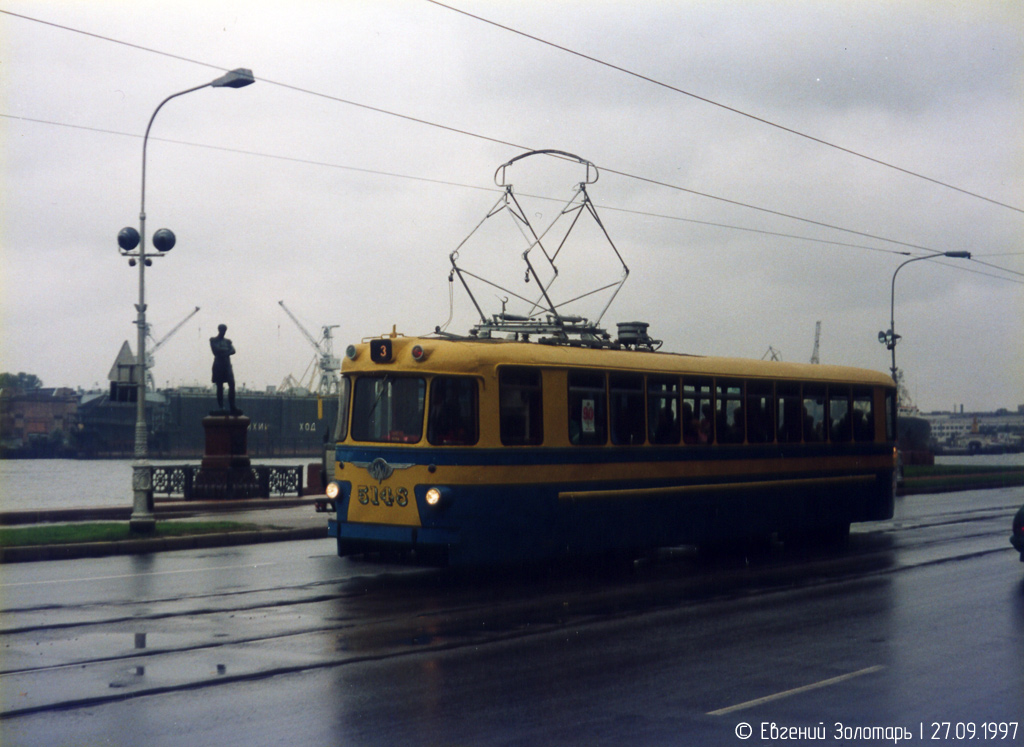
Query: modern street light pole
142, 519
890, 338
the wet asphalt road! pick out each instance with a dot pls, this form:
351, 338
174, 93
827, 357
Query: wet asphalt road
919, 621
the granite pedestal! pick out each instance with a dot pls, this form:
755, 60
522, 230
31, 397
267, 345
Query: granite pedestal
226, 471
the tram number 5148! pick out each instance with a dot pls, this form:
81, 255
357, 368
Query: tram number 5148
372, 494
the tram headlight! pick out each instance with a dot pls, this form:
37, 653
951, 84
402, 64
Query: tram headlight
333, 490
433, 497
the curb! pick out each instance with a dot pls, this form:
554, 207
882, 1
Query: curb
33, 553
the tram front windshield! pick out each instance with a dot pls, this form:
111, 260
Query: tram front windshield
388, 409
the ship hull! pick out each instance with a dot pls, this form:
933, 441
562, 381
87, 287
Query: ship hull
280, 425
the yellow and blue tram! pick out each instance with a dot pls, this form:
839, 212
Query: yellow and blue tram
484, 451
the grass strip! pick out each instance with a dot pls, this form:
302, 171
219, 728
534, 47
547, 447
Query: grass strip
944, 478
63, 534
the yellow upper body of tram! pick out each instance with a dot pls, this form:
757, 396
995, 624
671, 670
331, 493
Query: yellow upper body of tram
486, 447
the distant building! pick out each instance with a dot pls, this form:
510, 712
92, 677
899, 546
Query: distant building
947, 427
39, 422
124, 376
959, 432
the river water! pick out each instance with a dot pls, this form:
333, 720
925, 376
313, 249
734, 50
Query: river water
27, 484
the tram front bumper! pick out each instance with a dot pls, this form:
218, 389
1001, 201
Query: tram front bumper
389, 536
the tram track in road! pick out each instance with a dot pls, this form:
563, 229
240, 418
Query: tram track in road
68, 656
933, 531
958, 516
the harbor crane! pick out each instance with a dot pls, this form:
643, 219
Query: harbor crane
157, 345
817, 338
327, 363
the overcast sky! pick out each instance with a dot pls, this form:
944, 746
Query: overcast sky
364, 154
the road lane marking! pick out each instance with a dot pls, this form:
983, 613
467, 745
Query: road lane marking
796, 691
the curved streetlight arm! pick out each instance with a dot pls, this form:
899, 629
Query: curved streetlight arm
892, 300
235, 79
892, 296
145, 142
891, 338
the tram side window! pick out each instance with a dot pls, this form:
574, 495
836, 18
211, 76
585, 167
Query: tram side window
698, 419
663, 411
863, 415
789, 413
760, 412
388, 409
588, 417
839, 421
520, 406
626, 409
453, 411
814, 414
729, 412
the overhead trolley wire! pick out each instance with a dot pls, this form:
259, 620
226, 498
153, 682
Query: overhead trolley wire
262, 154
467, 133
479, 136
377, 172
463, 185
769, 211
123, 43
997, 267
726, 107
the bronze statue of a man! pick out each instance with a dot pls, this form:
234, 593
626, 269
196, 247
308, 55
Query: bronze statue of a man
222, 373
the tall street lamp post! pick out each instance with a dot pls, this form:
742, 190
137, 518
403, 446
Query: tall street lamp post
890, 338
142, 519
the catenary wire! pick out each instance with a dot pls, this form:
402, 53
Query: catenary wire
997, 267
734, 110
466, 133
396, 175
377, 172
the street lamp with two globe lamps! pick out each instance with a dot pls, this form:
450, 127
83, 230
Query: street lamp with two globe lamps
132, 244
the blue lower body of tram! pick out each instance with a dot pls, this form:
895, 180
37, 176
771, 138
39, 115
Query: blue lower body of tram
468, 507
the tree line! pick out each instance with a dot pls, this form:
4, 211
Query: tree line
21, 381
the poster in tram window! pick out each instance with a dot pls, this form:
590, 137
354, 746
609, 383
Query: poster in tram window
588, 416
